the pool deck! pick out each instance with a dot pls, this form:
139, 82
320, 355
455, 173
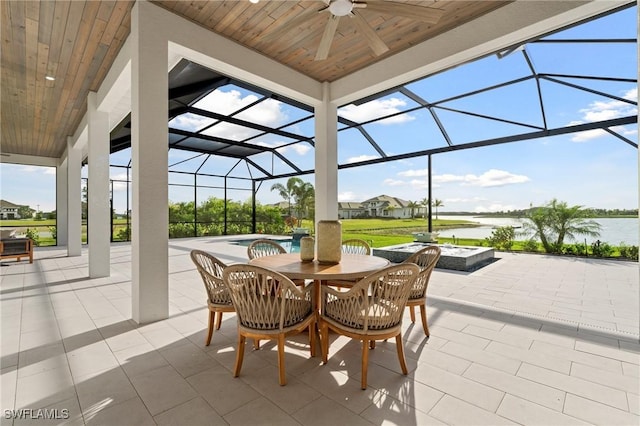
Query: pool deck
528, 339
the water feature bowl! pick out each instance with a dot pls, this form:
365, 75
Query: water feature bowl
459, 258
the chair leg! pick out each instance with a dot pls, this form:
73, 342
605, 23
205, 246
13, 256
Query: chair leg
324, 341
256, 344
372, 344
400, 348
283, 378
239, 356
412, 314
423, 314
365, 363
312, 338
210, 332
218, 320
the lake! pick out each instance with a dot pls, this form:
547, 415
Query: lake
614, 230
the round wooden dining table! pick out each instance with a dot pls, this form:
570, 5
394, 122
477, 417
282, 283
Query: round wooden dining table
351, 267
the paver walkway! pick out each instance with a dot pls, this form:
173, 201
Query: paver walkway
529, 339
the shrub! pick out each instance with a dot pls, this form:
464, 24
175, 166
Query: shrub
54, 232
601, 249
34, 235
575, 249
502, 238
180, 230
630, 252
530, 245
124, 234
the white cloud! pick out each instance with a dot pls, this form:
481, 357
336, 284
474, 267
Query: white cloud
494, 207
268, 113
588, 135
346, 196
493, 178
360, 158
298, 148
419, 183
600, 110
374, 109
416, 173
446, 178
463, 200
50, 171
190, 122
393, 182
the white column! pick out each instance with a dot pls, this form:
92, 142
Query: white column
62, 203
74, 200
326, 126
99, 210
149, 155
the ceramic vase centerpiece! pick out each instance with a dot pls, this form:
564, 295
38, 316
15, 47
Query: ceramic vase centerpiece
329, 235
307, 247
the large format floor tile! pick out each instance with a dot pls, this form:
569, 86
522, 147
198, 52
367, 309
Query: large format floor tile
529, 339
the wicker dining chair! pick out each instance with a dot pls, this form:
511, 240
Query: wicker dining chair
426, 259
351, 246
356, 246
218, 299
371, 310
269, 306
265, 247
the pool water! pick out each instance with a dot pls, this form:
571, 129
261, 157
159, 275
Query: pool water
288, 244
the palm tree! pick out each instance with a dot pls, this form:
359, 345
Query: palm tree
557, 221
413, 205
304, 197
437, 203
289, 191
425, 203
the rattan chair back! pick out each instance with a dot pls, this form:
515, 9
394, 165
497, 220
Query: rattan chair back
375, 303
264, 247
210, 269
266, 300
426, 259
356, 246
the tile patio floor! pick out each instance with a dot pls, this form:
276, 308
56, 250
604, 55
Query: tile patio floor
529, 339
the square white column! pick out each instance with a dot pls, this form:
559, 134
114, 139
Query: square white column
61, 203
74, 200
326, 126
98, 206
149, 154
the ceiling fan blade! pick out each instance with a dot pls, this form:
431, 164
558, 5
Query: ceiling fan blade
429, 15
285, 28
327, 38
375, 42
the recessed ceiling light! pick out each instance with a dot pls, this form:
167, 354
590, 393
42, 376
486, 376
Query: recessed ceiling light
49, 77
254, 1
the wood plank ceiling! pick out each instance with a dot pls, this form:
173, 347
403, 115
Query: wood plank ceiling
77, 41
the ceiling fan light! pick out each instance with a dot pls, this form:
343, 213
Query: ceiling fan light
341, 7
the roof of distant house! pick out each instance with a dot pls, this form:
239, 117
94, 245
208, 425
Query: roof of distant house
7, 205
388, 200
349, 205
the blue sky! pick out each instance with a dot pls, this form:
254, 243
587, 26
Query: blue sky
593, 169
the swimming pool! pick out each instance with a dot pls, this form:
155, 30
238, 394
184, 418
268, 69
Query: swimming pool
290, 245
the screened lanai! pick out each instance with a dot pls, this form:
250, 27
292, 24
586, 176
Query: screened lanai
233, 140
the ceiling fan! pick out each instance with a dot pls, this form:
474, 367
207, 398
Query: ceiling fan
340, 8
